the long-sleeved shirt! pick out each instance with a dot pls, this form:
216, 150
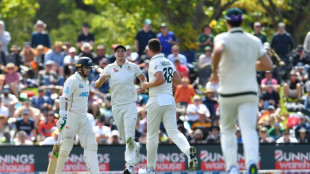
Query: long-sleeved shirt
282, 44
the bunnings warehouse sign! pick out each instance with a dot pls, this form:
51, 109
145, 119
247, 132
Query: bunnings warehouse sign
23, 159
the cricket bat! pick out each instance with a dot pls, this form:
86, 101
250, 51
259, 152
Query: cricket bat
55, 152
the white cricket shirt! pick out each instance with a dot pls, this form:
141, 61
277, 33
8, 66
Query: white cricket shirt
159, 63
237, 67
76, 89
121, 82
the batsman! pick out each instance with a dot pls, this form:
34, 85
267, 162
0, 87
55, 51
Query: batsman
73, 117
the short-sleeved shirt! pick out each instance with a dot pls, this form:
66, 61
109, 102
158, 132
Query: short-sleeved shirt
160, 64
166, 47
121, 82
237, 67
261, 36
46, 128
4, 111
143, 37
203, 38
271, 96
25, 126
76, 89
182, 58
84, 38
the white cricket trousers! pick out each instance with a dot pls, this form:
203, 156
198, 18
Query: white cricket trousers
80, 124
245, 108
125, 117
167, 115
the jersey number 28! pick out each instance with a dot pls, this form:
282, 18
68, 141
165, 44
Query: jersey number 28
168, 74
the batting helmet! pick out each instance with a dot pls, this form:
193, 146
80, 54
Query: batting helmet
83, 62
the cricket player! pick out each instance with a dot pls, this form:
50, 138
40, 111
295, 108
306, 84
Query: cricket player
121, 75
238, 55
73, 117
161, 107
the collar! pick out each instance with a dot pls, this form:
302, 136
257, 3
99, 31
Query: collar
115, 63
236, 30
79, 76
160, 55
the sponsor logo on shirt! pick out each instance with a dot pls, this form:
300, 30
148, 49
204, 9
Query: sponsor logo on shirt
80, 86
128, 68
166, 63
115, 70
84, 94
67, 90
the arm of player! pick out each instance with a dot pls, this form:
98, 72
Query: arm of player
264, 63
142, 79
137, 45
159, 80
101, 80
217, 54
176, 80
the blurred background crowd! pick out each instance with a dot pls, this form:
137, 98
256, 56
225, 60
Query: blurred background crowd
32, 78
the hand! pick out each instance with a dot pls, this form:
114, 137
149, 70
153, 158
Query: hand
145, 85
281, 63
214, 76
61, 123
104, 77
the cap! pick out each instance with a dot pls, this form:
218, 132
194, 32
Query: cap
128, 47
115, 133
208, 48
6, 88
300, 65
147, 22
302, 130
271, 107
104, 60
234, 14
86, 25
163, 25
209, 90
119, 46
302, 116
49, 62
202, 111
281, 24
269, 83
51, 113
198, 132
72, 50
264, 129
276, 124
267, 71
300, 48
101, 119
100, 47
196, 97
26, 112
39, 22
256, 24
40, 89
286, 132
293, 72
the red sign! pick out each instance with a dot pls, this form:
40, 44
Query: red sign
17, 163
292, 160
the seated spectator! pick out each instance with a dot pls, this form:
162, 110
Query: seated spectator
86, 52
94, 103
26, 124
205, 59
131, 56
299, 56
198, 137
40, 57
181, 69
57, 57
30, 66
5, 38
34, 112
214, 137
203, 123
12, 78
70, 61
51, 140
40, 37
192, 109
263, 138
213, 84
269, 97
145, 69
270, 117
142, 122
115, 139
107, 110
101, 53
47, 76
303, 136
292, 89
22, 139
4, 131
102, 132
42, 102
302, 124
47, 126
275, 131
205, 66
267, 80
14, 56
210, 101
9, 100
184, 92
176, 55
301, 73
286, 138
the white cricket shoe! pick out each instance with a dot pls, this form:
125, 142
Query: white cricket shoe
192, 160
233, 170
137, 159
128, 170
145, 171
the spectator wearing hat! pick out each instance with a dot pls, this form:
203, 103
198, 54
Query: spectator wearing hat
70, 61
4, 131
204, 123
12, 78
282, 42
177, 55
28, 55
286, 138
257, 32
210, 100
66, 48
4, 111
198, 137
86, 52
101, 53
25, 123
303, 136
301, 73
47, 76
40, 56
192, 109
267, 80
184, 92
42, 102
47, 126
205, 39
143, 36
2, 57
206, 58
300, 56
167, 39
214, 137
51, 140
181, 69
302, 124
5, 38
270, 116
292, 89
115, 139
85, 36
275, 131
22, 139
102, 132
131, 56
263, 138
269, 97
40, 37
9, 100
57, 57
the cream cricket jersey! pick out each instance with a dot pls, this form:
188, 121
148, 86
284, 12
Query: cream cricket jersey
76, 89
160, 64
237, 67
121, 82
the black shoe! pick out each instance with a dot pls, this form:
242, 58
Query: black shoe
128, 170
253, 169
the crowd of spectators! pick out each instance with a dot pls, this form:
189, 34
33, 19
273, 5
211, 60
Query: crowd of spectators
32, 78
